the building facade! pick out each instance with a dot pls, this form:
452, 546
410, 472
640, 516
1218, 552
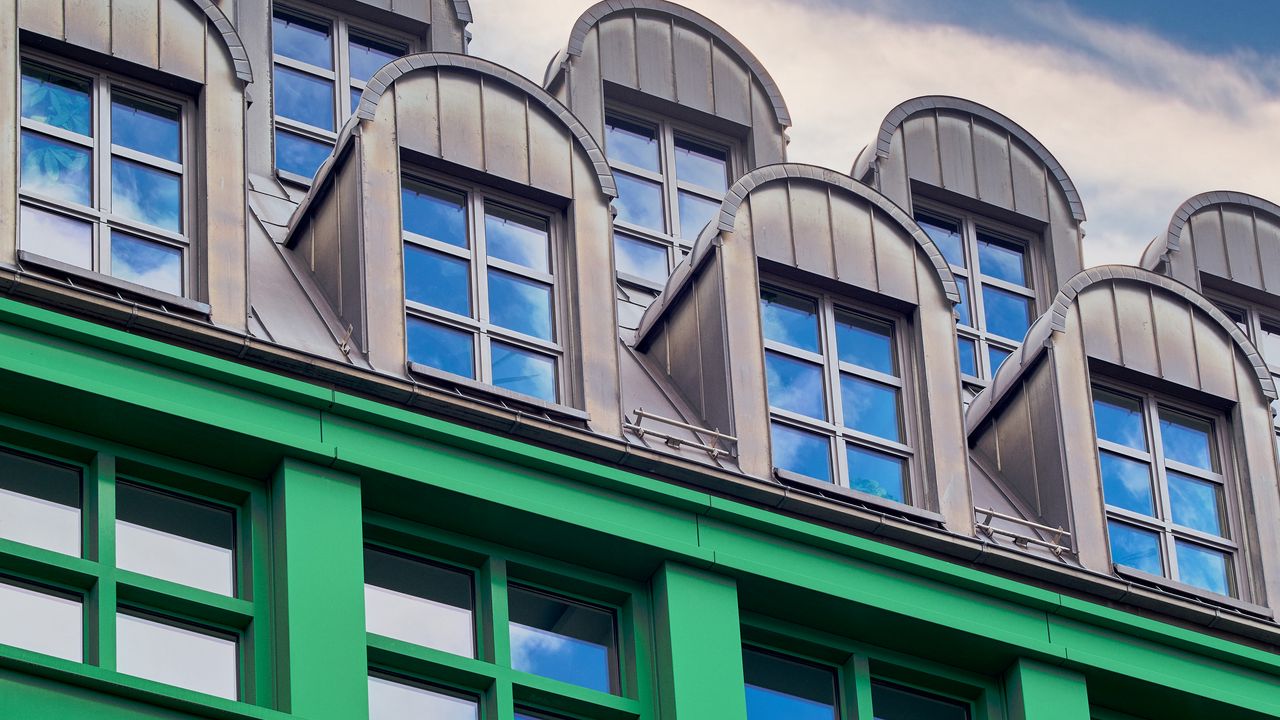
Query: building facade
348, 375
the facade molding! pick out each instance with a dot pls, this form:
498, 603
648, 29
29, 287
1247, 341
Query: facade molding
230, 38
1171, 241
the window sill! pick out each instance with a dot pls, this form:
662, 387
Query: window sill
1192, 591
518, 399
858, 497
640, 282
132, 291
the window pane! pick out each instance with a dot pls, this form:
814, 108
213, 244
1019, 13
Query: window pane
146, 126
963, 314
631, 143
795, 385
1127, 483
55, 168
870, 407
563, 640
865, 342
516, 237
695, 213
435, 279
442, 348
520, 304
1002, 259
57, 237
890, 702
175, 655
1203, 567
398, 701
303, 97
146, 194
434, 212
418, 602
355, 99
640, 258
877, 473
1007, 314
1269, 343
968, 356
782, 689
155, 265
996, 357
175, 539
42, 622
1135, 548
40, 503
1186, 439
801, 452
1119, 419
1195, 503
299, 155
946, 235
639, 202
789, 319
523, 371
369, 55
300, 39
57, 99
701, 164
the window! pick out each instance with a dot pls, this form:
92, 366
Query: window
671, 182
835, 383
563, 639
40, 503
398, 699
42, 620
321, 67
480, 289
780, 688
1165, 489
105, 181
896, 702
174, 538
993, 270
177, 654
1262, 326
419, 602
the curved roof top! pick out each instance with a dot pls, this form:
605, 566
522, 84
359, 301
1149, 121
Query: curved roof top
230, 39
1039, 335
1171, 240
901, 113
462, 8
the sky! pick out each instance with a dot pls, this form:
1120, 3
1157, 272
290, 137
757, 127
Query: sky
1144, 102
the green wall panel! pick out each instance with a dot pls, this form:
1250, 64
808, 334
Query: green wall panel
1036, 691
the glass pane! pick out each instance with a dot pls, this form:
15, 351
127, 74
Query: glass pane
801, 452
996, 357
55, 168
964, 315
1119, 419
40, 503
303, 97
516, 237
442, 348
639, 202
523, 371
1127, 483
865, 342
701, 164
520, 304
398, 701
56, 99
434, 212
870, 407
147, 263
782, 689
795, 385
42, 622
57, 237
877, 473
355, 99
890, 702
1195, 503
563, 640
789, 319
968, 356
146, 194
418, 602
146, 126
695, 213
176, 655
1186, 439
1007, 314
1269, 343
640, 258
300, 39
436, 279
369, 55
1135, 548
1002, 259
946, 235
1203, 567
299, 155
175, 539
632, 143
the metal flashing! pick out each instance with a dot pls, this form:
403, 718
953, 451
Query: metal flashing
230, 38
1171, 241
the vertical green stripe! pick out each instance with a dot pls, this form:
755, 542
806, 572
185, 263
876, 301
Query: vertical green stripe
1037, 691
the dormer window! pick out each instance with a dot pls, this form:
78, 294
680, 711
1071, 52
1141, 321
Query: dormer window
1262, 326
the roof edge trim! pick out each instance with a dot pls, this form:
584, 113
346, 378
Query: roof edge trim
230, 38
1171, 240
462, 8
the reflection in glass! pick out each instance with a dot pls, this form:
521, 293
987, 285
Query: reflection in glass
368, 56
1269, 343
1186, 440
440, 347
563, 640
1127, 483
877, 473
436, 279
146, 194
146, 126
695, 213
1007, 314
516, 237
177, 655
1195, 503
865, 342
870, 407
1135, 548
632, 143
390, 700
1119, 419
152, 264
789, 319
299, 155
434, 212
946, 235
801, 452
968, 350
701, 164
55, 168
57, 99
996, 357
640, 258
41, 621
304, 97
520, 304
891, 702
795, 385
40, 503
355, 99
56, 237
175, 539
963, 315
524, 371
639, 202
1002, 260
300, 39
418, 602
778, 688
1203, 567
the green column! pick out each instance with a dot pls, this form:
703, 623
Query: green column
1037, 691
699, 645
319, 593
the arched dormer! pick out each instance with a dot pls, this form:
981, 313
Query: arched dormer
1136, 415
875, 298
1221, 239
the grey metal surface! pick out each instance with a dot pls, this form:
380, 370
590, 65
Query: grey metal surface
1231, 235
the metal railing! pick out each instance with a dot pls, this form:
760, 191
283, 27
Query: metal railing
675, 442
984, 516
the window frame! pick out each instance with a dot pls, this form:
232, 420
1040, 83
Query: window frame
1250, 317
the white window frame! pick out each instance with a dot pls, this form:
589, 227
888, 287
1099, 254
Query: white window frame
1250, 317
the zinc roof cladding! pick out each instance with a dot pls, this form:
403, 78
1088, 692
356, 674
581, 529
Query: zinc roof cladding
230, 38
462, 8
1171, 240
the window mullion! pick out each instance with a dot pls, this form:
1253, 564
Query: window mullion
1164, 510
670, 195
102, 177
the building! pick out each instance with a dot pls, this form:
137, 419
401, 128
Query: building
347, 375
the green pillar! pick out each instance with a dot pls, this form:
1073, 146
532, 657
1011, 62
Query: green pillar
699, 645
319, 593
1037, 691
